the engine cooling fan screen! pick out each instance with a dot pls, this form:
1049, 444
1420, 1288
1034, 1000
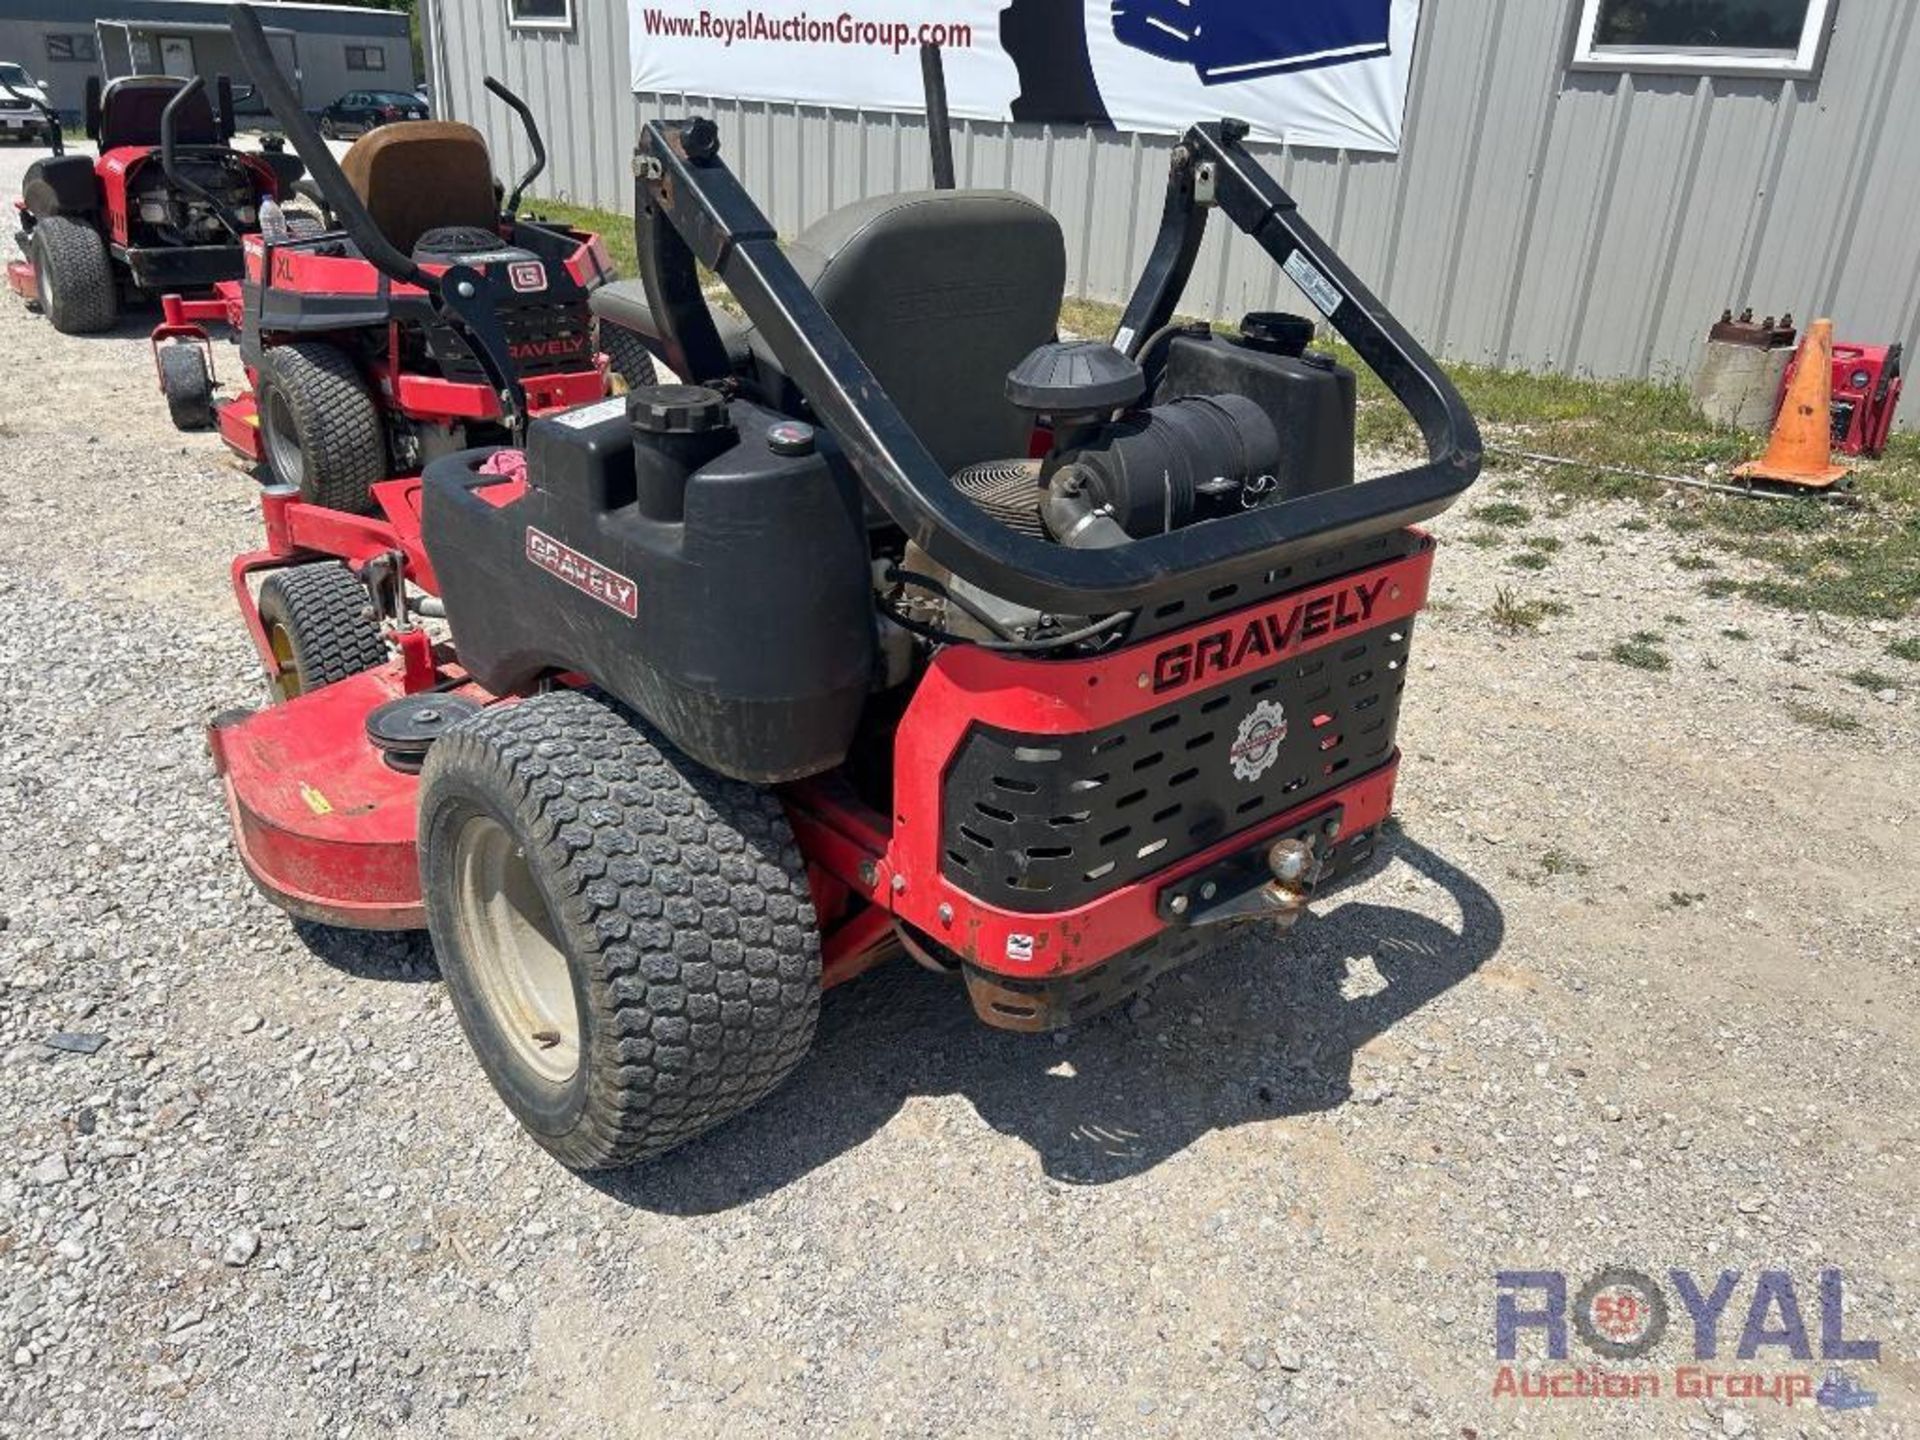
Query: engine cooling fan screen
1008, 491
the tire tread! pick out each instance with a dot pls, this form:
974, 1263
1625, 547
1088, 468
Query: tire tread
684, 897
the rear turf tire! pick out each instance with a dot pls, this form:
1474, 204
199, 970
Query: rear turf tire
628, 939
75, 276
320, 426
186, 384
317, 623
631, 361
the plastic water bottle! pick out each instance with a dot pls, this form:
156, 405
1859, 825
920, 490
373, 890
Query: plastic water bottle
273, 222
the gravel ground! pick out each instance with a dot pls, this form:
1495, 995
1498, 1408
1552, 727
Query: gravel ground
1638, 985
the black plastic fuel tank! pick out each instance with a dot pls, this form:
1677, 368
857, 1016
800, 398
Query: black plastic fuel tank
1308, 396
703, 560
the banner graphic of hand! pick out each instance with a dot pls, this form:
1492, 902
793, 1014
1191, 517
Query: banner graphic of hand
1227, 41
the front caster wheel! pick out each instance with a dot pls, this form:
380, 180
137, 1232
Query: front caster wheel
628, 939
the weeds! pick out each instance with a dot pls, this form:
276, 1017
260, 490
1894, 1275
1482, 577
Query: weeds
1504, 513
1641, 651
1906, 648
1517, 616
1818, 717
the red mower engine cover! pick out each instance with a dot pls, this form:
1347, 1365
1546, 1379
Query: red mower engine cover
1063, 826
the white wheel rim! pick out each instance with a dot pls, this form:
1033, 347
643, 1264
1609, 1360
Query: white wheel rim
519, 972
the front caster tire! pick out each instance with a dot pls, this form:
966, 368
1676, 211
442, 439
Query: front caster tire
74, 276
185, 381
318, 627
320, 426
629, 940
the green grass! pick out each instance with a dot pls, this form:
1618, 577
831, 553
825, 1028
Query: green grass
1905, 648
1641, 651
1694, 562
1503, 513
1870, 679
615, 231
1517, 616
1735, 633
1818, 717
1557, 862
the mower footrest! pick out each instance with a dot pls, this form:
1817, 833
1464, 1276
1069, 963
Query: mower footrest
326, 828
239, 423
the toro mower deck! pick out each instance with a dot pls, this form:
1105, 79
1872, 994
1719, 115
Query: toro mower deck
680, 707
350, 374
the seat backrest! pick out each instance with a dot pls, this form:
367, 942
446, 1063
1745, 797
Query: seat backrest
131, 107
421, 175
942, 292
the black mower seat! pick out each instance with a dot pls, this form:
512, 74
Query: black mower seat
941, 291
423, 175
131, 107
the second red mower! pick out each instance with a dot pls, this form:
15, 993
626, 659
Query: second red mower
352, 376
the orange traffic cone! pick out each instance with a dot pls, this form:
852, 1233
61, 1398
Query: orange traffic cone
1801, 450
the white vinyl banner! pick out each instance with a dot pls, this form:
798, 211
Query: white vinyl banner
1310, 72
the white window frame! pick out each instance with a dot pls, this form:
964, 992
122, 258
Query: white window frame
516, 22
1803, 63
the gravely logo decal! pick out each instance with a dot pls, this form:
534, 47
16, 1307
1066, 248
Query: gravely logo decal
584, 573
548, 349
1265, 636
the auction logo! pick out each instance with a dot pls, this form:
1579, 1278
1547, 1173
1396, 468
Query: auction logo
1622, 1314
1257, 744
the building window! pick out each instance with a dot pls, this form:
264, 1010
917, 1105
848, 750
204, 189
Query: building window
72, 47
1696, 37
366, 57
540, 14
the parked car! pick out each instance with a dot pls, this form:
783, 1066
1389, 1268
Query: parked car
20, 116
358, 111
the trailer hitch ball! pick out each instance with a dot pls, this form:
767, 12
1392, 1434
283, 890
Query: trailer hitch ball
1291, 861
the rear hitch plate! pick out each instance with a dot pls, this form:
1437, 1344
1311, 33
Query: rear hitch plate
1247, 886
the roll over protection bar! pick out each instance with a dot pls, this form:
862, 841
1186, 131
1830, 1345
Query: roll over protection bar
169, 128
688, 205
520, 108
461, 294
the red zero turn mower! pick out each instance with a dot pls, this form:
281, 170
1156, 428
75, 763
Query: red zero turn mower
162, 207
759, 681
352, 372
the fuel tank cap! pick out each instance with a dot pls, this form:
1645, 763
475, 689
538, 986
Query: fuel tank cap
677, 409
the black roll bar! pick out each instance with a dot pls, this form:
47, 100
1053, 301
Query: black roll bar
461, 295
933, 79
688, 205
169, 129
251, 41
520, 108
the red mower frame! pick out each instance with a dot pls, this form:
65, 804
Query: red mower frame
426, 399
325, 826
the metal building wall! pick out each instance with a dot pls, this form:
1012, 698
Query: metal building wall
1537, 218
